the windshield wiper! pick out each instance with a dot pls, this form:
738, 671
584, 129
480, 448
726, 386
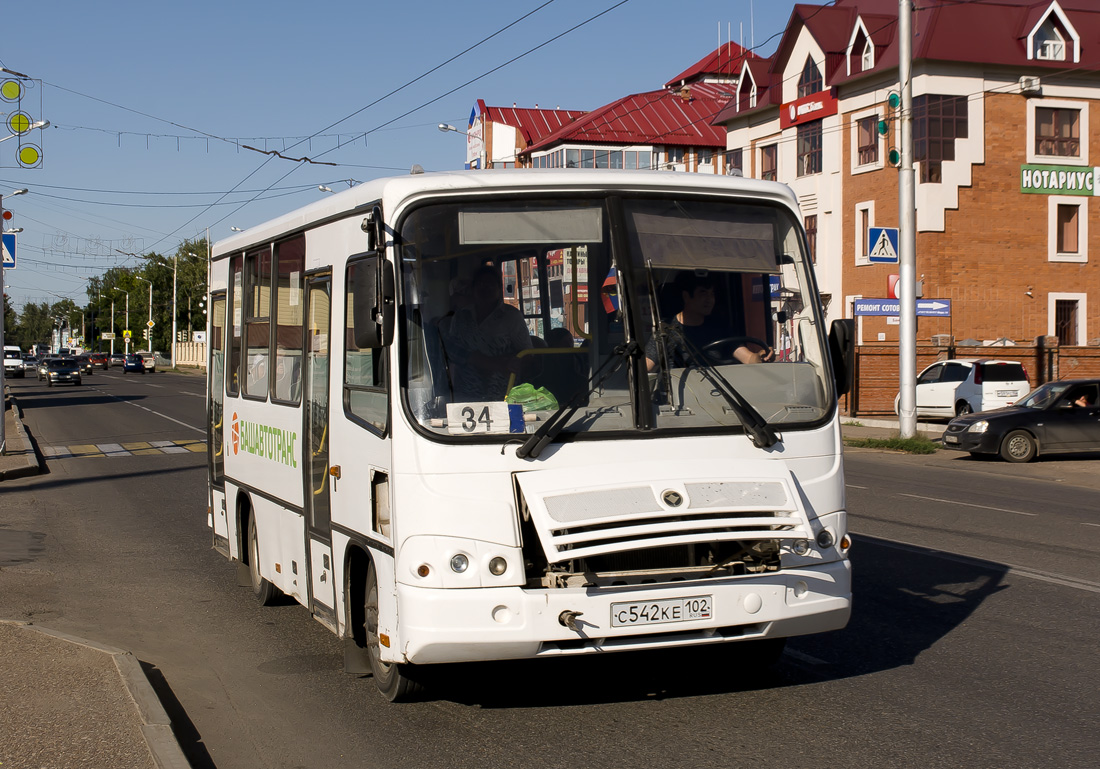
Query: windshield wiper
549, 430
760, 432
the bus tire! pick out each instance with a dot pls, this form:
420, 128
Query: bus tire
266, 593
391, 678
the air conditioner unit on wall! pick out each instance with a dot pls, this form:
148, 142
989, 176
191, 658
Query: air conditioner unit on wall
1030, 85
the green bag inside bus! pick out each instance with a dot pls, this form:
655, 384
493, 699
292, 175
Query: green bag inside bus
532, 398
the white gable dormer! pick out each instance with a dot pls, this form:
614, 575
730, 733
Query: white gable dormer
746, 89
1052, 37
860, 49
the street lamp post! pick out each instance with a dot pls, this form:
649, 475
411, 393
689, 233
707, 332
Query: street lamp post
3, 396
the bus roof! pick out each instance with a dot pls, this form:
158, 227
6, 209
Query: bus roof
394, 191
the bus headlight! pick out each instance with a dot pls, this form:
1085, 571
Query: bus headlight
825, 539
459, 563
800, 547
498, 566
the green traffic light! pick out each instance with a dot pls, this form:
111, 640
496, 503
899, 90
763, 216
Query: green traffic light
883, 127
894, 100
895, 158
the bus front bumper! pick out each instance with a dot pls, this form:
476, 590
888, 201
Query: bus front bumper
460, 625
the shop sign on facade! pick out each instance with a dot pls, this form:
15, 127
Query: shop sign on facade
812, 107
1059, 180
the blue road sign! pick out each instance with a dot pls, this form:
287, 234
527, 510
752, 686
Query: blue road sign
884, 244
926, 308
9, 251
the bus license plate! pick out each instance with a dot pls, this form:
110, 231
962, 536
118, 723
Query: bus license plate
662, 611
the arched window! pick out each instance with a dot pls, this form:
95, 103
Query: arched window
810, 82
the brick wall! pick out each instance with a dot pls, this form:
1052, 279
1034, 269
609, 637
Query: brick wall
994, 247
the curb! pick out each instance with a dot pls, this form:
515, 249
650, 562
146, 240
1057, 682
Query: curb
156, 726
31, 466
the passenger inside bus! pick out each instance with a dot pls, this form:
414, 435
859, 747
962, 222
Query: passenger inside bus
482, 339
696, 295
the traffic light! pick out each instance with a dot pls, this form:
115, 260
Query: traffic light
146, 333
893, 100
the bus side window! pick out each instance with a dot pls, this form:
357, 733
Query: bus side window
290, 263
365, 394
236, 293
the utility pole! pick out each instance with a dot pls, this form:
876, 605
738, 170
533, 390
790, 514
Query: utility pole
174, 258
3, 395
907, 234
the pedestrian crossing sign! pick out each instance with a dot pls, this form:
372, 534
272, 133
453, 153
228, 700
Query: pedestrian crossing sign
884, 244
9, 250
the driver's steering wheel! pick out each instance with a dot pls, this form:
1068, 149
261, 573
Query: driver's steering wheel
721, 350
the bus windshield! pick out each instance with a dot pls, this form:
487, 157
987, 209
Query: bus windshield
516, 310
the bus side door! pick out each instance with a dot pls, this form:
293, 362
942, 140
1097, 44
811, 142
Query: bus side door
316, 430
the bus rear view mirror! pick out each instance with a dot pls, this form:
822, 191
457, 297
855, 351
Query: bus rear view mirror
842, 350
371, 284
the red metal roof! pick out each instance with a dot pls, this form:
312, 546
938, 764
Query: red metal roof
533, 124
655, 118
725, 61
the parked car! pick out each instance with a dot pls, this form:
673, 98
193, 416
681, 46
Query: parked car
85, 363
133, 362
117, 359
955, 387
1058, 417
60, 370
99, 359
150, 360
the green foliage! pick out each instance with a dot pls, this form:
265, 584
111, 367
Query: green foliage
917, 445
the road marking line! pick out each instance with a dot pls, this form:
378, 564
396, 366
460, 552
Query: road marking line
968, 504
1021, 571
144, 408
853, 486
1091, 524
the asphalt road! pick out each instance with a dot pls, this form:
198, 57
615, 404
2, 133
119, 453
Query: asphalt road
971, 643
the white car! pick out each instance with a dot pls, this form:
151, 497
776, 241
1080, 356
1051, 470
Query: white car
950, 388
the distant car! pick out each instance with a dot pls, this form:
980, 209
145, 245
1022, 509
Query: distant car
960, 386
13, 361
1058, 417
61, 370
43, 367
133, 362
150, 360
117, 359
85, 363
30, 363
99, 359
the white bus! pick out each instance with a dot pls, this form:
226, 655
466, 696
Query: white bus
521, 414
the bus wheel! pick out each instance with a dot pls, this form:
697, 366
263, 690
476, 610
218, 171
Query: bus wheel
390, 678
266, 593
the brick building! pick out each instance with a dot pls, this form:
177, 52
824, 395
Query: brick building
1006, 126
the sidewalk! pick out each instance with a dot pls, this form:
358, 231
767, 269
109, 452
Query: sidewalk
64, 701
18, 459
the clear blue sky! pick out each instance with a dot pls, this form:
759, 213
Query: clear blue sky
151, 104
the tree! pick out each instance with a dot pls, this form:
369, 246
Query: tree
35, 324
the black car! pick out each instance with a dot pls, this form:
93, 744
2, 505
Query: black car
60, 370
1057, 418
